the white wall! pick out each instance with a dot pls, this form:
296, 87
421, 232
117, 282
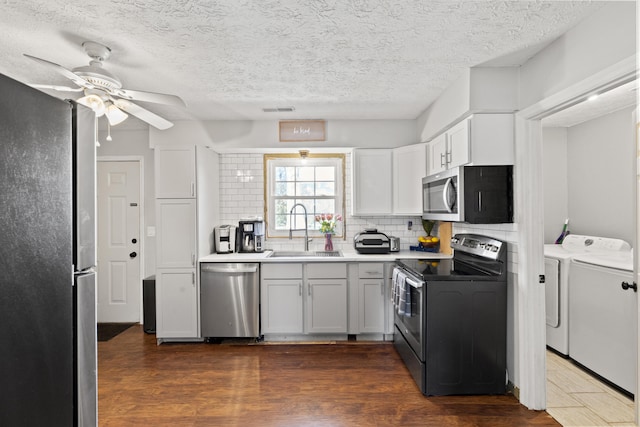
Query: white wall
588, 177
600, 162
479, 89
556, 199
262, 135
603, 39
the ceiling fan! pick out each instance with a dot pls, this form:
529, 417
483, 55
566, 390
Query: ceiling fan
103, 91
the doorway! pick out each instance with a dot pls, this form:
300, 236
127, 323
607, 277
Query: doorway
588, 178
119, 241
531, 336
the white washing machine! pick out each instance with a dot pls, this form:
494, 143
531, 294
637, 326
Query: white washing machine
603, 332
557, 262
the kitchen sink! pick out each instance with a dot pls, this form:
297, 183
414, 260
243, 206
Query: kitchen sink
304, 254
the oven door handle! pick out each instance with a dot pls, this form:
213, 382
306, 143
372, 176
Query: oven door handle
414, 283
409, 277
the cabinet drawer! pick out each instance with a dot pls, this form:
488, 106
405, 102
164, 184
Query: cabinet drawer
281, 271
370, 270
324, 270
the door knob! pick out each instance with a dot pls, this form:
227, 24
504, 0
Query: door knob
627, 285
133, 254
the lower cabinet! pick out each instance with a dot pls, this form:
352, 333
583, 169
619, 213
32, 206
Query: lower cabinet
371, 298
304, 298
177, 304
327, 306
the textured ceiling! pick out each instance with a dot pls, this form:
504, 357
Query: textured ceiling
331, 59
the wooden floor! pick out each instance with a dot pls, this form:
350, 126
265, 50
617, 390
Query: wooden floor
344, 384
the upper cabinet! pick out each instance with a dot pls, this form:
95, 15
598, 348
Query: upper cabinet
480, 139
409, 167
388, 181
175, 176
371, 182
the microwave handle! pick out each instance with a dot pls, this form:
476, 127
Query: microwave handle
445, 194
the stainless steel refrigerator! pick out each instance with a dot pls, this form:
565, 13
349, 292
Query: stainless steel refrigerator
48, 365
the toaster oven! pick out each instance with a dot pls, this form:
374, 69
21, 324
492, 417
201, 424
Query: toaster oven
371, 241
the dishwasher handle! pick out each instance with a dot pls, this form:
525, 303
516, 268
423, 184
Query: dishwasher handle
253, 268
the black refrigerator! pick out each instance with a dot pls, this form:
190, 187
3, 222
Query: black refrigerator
48, 363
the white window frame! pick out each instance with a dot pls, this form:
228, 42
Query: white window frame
273, 160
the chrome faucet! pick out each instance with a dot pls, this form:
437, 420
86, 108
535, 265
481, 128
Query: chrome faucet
306, 230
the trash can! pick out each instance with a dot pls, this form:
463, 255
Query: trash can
149, 304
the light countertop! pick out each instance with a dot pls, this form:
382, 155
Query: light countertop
347, 256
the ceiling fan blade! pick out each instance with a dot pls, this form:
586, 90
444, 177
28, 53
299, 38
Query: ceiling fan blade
158, 98
60, 69
58, 88
143, 114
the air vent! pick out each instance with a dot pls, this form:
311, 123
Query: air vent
279, 110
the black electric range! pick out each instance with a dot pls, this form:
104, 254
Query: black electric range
450, 325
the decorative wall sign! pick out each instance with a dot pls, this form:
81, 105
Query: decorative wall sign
302, 130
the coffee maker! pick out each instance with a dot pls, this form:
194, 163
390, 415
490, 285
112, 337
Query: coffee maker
251, 236
224, 237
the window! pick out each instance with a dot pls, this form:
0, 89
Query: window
316, 182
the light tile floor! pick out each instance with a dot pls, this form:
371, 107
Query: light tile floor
577, 399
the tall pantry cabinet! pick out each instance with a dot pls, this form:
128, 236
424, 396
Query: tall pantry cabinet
187, 208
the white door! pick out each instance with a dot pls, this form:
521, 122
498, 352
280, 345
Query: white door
119, 246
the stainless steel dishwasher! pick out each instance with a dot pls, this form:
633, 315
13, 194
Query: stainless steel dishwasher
230, 300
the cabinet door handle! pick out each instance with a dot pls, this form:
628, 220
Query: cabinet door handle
193, 259
300, 289
193, 189
448, 157
627, 285
193, 279
442, 159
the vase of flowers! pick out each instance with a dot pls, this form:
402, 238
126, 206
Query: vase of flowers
328, 224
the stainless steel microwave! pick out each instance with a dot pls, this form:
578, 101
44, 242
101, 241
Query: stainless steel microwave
473, 194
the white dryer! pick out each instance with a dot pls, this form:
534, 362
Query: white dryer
557, 265
603, 305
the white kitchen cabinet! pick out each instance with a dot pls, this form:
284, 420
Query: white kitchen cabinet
409, 167
281, 306
176, 233
177, 304
371, 298
281, 299
185, 216
372, 182
326, 301
175, 172
436, 154
449, 149
480, 139
327, 306
313, 302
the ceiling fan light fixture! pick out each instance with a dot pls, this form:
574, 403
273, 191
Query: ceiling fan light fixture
95, 103
115, 116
